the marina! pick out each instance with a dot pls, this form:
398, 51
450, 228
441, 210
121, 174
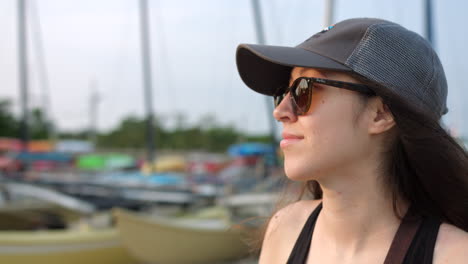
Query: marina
125, 136
128, 214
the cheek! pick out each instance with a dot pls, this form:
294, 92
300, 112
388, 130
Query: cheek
318, 99
313, 156
330, 142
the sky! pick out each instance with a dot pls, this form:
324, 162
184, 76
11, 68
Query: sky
94, 45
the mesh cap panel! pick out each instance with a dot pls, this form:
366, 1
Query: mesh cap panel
404, 62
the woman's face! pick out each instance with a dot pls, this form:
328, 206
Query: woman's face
328, 139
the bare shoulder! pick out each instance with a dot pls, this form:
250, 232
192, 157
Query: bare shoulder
283, 229
451, 245
291, 215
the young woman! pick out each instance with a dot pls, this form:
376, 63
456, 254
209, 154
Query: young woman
360, 103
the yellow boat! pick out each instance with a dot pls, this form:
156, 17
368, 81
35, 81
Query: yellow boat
59, 247
165, 164
179, 240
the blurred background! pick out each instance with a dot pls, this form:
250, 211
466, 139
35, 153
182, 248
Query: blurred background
137, 105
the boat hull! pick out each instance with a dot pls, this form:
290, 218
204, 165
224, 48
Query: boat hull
58, 247
158, 241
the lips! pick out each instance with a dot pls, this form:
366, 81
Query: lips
289, 139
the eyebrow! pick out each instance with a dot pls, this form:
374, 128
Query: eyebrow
322, 72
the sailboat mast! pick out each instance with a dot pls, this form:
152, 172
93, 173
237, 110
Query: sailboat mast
23, 73
328, 17
38, 45
147, 82
261, 40
429, 30
94, 99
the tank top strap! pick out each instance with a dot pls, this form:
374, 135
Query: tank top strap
422, 247
301, 247
414, 241
403, 238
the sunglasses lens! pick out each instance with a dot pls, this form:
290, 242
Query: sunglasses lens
301, 94
278, 98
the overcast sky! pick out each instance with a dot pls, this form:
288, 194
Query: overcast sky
193, 47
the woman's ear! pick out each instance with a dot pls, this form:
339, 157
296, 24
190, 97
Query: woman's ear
380, 117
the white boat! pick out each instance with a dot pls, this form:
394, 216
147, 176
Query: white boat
250, 204
18, 191
27, 207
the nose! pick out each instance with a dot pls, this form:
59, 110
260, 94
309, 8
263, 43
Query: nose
284, 112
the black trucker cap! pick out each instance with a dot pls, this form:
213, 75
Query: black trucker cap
382, 51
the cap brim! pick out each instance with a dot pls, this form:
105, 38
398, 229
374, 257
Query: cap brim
264, 68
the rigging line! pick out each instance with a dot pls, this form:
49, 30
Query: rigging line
37, 43
274, 18
164, 61
223, 82
119, 78
291, 9
399, 16
214, 80
118, 69
228, 95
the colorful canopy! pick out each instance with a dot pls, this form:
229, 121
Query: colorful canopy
104, 161
250, 149
43, 156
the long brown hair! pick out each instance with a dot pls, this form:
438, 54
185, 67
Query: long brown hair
424, 165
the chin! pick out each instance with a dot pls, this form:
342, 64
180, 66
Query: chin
298, 171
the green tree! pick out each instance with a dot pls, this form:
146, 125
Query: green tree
9, 126
131, 133
207, 134
38, 125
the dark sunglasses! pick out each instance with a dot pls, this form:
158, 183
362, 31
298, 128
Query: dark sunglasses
301, 92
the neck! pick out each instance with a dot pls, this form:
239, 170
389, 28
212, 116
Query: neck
357, 211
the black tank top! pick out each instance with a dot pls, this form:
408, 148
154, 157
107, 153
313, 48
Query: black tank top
421, 249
